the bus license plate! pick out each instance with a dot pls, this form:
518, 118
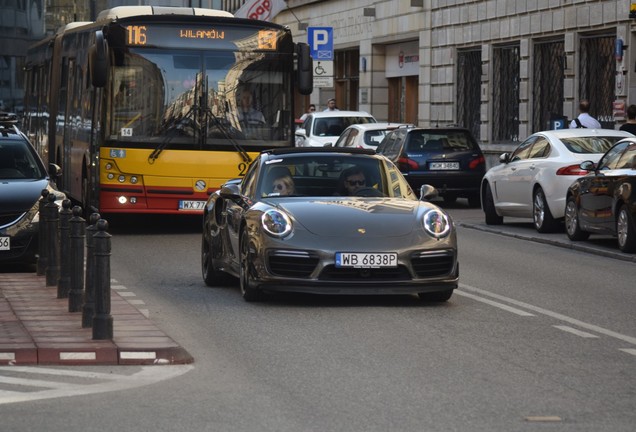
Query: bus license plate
191, 205
5, 243
444, 165
366, 260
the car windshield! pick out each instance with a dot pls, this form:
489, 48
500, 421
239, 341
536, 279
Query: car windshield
595, 144
330, 175
333, 126
447, 141
17, 162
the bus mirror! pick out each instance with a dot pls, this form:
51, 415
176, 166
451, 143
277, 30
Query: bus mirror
98, 58
305, 69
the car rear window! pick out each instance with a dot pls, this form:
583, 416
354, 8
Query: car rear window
447, 141
333, 126
584, 145
373, 138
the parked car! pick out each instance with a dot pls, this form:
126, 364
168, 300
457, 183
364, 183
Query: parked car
367, 135
286, 226
604, 200
533, 180
448, 159
324, 127
23, 176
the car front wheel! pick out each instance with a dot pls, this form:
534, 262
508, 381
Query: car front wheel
249, 291
572, 228
211, 275
625, 230
492, 218
544, 222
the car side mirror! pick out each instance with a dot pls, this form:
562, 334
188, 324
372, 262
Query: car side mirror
230, 191
301, 132
428, 192
504, 158
588, 165
55, 171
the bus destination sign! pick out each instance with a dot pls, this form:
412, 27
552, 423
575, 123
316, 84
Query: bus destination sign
142, 35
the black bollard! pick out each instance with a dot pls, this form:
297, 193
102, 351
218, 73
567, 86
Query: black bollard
76, 292
88, 310
52, 238
42, 244
64, 282
102, 321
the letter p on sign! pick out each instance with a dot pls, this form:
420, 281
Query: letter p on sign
320, 40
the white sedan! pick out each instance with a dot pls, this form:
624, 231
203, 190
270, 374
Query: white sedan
532, 181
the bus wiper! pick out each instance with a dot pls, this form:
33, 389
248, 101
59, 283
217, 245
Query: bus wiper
170, 127
244, 155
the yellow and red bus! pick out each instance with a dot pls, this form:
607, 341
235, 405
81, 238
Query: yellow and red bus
142, 109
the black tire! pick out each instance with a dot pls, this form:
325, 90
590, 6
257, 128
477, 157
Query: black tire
249, 291
440, 296
572, 227
625, 230
211, 276
542, 217
491, 216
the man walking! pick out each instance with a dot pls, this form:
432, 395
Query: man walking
585, 120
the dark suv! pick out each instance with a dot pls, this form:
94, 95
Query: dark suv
447, 158
22, 178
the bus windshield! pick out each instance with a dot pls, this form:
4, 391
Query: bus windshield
198, 97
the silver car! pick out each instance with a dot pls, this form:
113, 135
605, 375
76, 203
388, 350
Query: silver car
532, 181
328, 221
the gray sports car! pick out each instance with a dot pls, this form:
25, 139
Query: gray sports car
328, 221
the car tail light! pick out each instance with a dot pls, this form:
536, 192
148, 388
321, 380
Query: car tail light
407, 164
473, 164
571, 170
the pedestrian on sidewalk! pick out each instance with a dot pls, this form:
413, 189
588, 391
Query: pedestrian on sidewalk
585, 120
630, 126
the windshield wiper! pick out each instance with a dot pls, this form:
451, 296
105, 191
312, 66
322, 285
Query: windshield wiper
241, 151
174, 125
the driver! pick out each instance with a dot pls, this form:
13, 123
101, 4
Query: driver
351, 181
247, 113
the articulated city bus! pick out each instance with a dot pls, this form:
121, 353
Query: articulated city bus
150, 109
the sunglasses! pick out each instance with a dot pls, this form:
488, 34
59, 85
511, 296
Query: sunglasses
356, 182
279, 186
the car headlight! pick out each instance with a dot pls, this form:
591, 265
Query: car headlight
276, 223
436, 223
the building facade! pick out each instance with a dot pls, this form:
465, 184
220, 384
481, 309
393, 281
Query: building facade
503, 68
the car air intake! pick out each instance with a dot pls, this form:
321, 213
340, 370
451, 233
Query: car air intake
291, 263
433, 263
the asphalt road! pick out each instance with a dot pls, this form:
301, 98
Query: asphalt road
538, 337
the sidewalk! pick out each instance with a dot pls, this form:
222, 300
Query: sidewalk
37, 329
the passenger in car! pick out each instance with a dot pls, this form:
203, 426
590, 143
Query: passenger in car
351, 181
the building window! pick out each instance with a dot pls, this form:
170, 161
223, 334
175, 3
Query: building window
505, 85
547, 83
469, 90
347, 79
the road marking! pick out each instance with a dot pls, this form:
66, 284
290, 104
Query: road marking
629, 339
628, 350
102, 383
575, 331
494, 303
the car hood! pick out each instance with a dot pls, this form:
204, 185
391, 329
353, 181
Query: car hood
342, 216
20, 195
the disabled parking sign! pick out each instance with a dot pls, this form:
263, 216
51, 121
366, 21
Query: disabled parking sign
320, 41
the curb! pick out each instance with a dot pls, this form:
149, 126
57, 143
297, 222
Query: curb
566, 243
37, 329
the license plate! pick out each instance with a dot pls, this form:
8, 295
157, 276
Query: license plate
444, 165
366, 260
191, 205
5, 243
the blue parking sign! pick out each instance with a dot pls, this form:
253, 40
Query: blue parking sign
320, 41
